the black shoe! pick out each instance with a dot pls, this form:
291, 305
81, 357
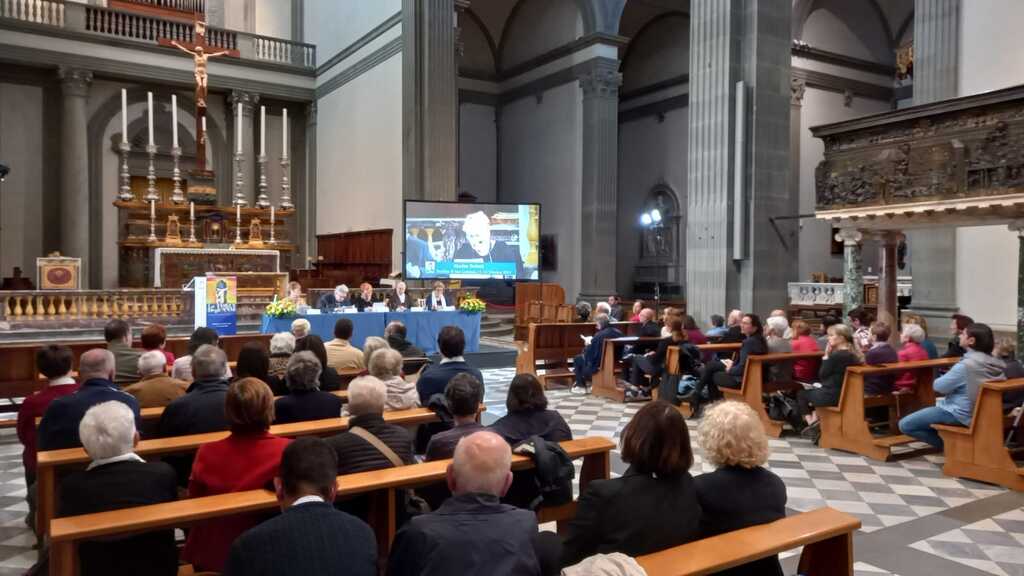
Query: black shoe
812, 431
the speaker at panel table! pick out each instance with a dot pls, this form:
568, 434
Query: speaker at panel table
471, 241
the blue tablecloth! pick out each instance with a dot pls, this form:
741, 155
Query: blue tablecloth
421, 327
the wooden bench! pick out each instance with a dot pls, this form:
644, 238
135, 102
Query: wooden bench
554, 345
605, 380
844, 427
672, 363
51, 461
826, 535
978, 452
756, 384
382, 486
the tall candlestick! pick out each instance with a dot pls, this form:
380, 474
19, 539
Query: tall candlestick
192, 222
238, 224
284, 133
152, 221
124, 116
174, 118
149, 98
191, 210
238, 129
152, 209
263, 130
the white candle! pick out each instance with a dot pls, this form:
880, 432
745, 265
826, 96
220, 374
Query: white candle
238, 214
124, 115
204, 125
152, 209
271, 216
238, 129
149, 98
191, 210
174, 118
263, 130
284, 134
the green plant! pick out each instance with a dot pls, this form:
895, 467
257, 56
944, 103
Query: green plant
473, 305
281, 308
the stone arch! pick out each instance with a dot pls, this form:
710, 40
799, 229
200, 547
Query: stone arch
638, 42
511, 28
475, 23
802, 10
869, 30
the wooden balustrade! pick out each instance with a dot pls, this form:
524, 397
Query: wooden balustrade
187, 6
35, 306
50, 12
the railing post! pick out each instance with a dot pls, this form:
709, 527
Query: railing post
74, 15
246, 45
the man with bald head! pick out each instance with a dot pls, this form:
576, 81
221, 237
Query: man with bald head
472, 532
59, 427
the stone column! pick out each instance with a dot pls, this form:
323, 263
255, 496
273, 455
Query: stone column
248, 101
308, 206
1018, 227
600, 85
430, 112
74, 167
853, 268
888, 306
933, 251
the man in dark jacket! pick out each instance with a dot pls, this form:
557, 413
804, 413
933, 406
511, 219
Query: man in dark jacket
451, 342
201, 409
332, 300
472, 532
59, 426
587, 364
366, 398
649, 328
304, 538
396, 336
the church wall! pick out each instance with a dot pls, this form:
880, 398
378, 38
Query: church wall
541, 155
273, 18
986, 263
22, 143
333, 25
538, 26
478, 151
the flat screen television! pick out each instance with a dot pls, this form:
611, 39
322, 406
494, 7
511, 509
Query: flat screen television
471, 241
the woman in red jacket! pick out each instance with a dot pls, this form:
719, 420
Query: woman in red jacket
912, 349
245, 460
805, 370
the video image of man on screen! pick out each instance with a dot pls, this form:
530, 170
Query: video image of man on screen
498, 258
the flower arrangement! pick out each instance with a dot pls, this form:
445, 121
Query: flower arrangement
281, 308
473, 305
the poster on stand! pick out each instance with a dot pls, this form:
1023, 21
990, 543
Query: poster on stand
216, 303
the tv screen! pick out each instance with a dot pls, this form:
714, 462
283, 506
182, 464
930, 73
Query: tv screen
471, 240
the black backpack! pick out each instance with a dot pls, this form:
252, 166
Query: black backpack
554, 471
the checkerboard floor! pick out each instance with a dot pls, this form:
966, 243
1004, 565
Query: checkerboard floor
916, 521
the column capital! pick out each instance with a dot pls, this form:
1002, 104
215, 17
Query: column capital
74, 81
248, 101
849, 236
601, 80
797, 87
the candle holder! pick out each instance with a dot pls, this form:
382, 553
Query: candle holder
192, 227
125, 195
262, 201
151, 174
286, 187
177, 197
238, 227
239, 199
272, 241
152, 226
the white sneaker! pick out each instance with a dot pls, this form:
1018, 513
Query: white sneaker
579, 390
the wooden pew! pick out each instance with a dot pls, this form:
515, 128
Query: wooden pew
555, 345
978, 452
383, 486
754, 385
843, 427
49, 462
672, 363
604, 381
826, 535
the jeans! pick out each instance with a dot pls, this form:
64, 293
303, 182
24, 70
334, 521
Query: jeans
919, 424
581, 371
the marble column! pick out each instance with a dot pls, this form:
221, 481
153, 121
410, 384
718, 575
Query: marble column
853, 268
248, 101
600, 85
74, 167
933, 251
1018, 227
430, 112
308, 206
888, 307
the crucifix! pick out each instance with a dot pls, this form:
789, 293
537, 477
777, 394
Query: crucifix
200, 53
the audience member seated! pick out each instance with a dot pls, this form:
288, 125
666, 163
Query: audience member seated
1005, 349
118, 478
304, 400
727, 373
957, 326
653, 505
666, 318
333, 300
310, 536
740, 492
202, 408
341, 354
295, 294
300, 328
386, 366
118, 335
638, 305
246, 460
253, 362
464, 395
451, 342
840, 354
438, 299
927, 344
717, 329
693, 334
653, 363
615, 311
59, 426
880, 352
778, 343
603, 308
860, 321
154, 337
329, 379
371, 345
357, 448
182, 369
959, 387
398, 299
282, 345
472, 532
528, 414
827, 322
911, 351
585, 365
364, 298
583, 310
395, 334
780, 313
733, 330
649, 328
805, 370
156, 388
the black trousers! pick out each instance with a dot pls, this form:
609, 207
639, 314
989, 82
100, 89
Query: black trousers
643, 365
713, 377
807, 400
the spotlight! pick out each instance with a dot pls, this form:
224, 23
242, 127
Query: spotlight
655, 216
646, 219
4, 171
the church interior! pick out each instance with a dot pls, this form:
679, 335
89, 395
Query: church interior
781, 241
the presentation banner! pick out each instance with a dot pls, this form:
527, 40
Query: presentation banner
216, 303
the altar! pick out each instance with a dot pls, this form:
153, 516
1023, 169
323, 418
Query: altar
174, 267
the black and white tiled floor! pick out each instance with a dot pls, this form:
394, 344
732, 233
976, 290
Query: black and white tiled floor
916, 521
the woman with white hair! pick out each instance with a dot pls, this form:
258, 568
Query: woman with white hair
775, 332
300, 328
912, 338
304, 400
282, 345
741, 492
371, 345
386, 366
118, 478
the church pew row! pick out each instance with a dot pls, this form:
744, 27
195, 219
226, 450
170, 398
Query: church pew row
554, 345
844, 427
50, 463
382, 486
979, 452
756, 383
605, 380
826, 535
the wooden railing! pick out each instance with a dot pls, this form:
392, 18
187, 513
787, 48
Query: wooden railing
37, 11
33, 306
187, 6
